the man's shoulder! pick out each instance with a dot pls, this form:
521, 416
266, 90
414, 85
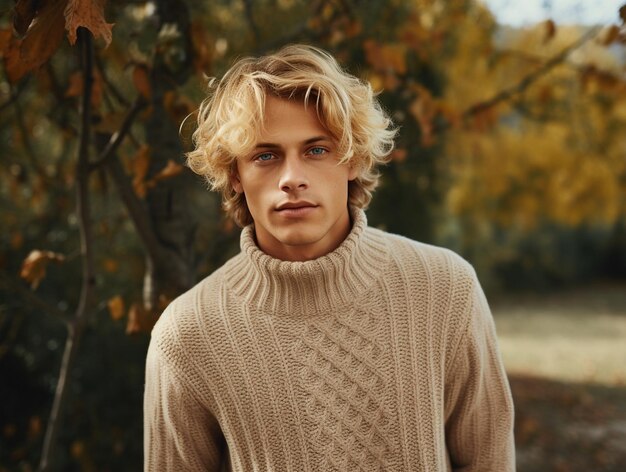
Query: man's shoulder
416, 255
193, 311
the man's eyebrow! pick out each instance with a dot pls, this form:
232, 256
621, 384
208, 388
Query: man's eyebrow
314, 139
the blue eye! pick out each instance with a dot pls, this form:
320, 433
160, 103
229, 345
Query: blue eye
317, 151
266, 156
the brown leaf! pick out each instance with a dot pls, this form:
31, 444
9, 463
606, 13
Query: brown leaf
88, 14
202, 47
34, 266
141, 79
75, 87
550, 31
44, 34
24, 13
140, 164
610, 36
6, 36
116, 307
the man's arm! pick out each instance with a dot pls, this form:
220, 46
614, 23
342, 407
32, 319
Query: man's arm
180, 434
478, 403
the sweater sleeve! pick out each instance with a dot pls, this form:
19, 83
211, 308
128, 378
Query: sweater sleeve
180, 433
478, 402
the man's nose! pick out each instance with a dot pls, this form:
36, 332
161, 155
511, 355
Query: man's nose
293, 174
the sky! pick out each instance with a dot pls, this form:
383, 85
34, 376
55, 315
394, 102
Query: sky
524, 12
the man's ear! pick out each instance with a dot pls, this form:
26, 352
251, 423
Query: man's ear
353, 172
235, 181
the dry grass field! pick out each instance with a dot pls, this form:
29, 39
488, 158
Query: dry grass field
565, 354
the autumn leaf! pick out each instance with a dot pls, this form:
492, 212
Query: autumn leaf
550, 31
201, 43
42, 39
116, 307
88, 14
140, 164
34, 266
141, 80
172, 169
140, 320
75, 87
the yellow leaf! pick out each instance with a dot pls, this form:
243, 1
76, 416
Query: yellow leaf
116, 307
88, 14
34, 266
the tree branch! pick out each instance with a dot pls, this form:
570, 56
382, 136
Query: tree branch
523, 84
116, 139
27, 295
76, 326
250, 18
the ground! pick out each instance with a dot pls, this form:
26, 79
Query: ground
566, 358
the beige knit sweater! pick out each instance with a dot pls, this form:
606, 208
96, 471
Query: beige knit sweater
380, 356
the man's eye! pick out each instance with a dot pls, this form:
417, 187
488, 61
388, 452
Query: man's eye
266, 156
317, 151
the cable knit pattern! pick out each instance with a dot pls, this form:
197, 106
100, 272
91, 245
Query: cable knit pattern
380, 356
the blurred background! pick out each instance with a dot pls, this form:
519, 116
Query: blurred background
512, 152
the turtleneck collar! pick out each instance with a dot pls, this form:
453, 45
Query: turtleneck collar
306, 288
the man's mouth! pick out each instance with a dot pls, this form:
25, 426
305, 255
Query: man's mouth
295, 206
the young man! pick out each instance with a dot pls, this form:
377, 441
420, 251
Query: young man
325, 344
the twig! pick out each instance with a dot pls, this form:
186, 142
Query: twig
76, 326
250, 18
21, 124
16, 287
523, 84
116, 139
105, 78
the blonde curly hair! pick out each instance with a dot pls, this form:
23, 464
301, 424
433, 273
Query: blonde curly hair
230, 118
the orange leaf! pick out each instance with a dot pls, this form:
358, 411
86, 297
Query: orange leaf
88, 14
141, 80
172, 169
34, 266
44, 35
116, 307
140, 320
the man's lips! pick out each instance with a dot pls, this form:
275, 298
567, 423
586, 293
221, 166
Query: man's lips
295, 206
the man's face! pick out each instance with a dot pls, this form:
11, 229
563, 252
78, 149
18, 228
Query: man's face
296, 192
